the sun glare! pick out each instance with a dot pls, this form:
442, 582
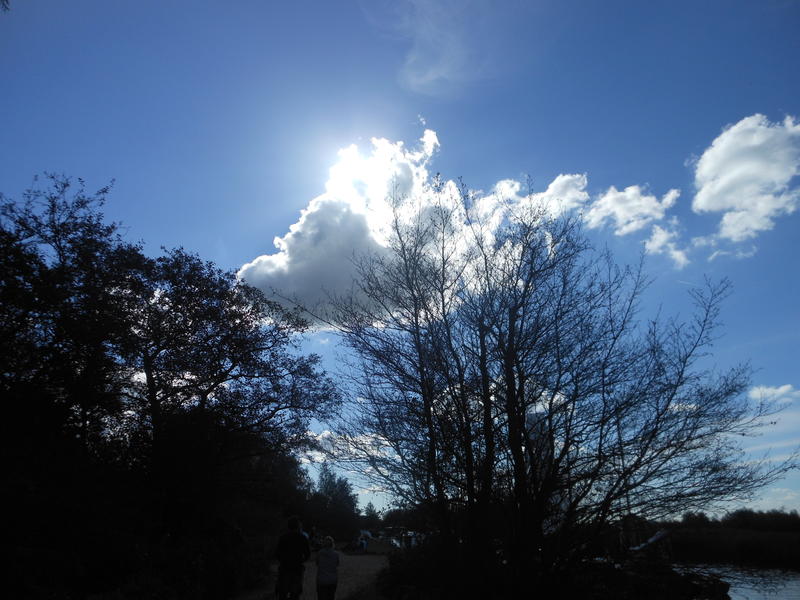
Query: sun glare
367, 183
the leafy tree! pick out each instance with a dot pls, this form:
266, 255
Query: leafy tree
199, 338
371, 519
62, 268
151, 407
696, 520
333, 507
62, 272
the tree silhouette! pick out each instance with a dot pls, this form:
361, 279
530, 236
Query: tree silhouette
334, 505
371, 520
506, 384
151, 406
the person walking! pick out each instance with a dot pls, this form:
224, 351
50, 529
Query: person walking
293, 551
327, 570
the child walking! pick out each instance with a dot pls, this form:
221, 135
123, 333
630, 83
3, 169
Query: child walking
327, 570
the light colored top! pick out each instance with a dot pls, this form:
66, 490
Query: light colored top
327, 566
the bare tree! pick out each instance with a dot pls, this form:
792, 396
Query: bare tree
501, 364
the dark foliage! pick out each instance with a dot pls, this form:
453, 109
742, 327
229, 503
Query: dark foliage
745, 518
371, 519
435, 571
151, 408
771, 520
332, 509
768, 539
414, 518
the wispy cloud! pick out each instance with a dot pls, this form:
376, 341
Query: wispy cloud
782, 429
441, 54
451, 43
785, 393
781, 496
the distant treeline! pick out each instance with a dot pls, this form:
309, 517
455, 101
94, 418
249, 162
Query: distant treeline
152, 411
745, 518
745, 537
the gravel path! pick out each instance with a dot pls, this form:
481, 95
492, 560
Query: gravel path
356, 572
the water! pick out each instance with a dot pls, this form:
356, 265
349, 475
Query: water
757, 584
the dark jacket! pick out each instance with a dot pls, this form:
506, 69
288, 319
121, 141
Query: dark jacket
293, 551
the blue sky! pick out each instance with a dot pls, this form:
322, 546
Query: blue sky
672, 127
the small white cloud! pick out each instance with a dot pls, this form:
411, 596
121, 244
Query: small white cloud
704, 241
662, 241
746, 175
566, 193
630, 209
507, 190
766, 392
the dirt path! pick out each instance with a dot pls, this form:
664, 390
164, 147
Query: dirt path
356, 572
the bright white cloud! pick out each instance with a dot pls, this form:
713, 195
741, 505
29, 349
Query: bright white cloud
564, 194
663, 241
630, 209
746, 175
351, 219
